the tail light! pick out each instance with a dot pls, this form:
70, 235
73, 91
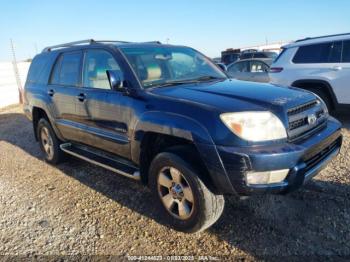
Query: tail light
276, 69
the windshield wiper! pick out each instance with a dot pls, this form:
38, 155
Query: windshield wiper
188, 81
207, 78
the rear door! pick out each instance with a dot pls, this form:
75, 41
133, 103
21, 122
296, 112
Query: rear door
64, 89
323, 61
105, 113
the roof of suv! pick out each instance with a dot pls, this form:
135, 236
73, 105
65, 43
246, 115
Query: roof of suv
318, 39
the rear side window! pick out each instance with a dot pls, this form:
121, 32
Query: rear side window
67, 70
37, 66
346, 52
319, 53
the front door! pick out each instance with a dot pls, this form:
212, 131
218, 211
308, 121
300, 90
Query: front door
106, 113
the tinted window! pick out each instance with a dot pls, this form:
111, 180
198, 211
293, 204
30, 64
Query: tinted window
346, 52
36, 68
319, 53
335, 52
55, 77
96, 64
67, 69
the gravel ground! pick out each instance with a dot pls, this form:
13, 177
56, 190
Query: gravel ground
77, 208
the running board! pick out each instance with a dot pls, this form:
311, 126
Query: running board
115, 164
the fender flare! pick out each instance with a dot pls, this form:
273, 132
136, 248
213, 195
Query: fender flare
187, 128
39, 101
168, 124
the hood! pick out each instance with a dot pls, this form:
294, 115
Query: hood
234, 95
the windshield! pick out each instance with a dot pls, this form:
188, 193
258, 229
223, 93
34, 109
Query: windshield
166, 65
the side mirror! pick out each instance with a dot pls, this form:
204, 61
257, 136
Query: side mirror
115, 79
222, 67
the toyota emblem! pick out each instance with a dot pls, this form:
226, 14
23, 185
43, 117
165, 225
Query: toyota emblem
311, 119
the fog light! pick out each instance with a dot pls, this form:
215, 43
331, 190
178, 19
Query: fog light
266, 177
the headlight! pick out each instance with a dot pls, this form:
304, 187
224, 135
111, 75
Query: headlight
324, 105
255, 126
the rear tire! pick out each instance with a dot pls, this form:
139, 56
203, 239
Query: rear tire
49, 143
186, 203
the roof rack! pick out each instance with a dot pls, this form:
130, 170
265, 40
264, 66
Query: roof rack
317, 37
87, 41
151, 42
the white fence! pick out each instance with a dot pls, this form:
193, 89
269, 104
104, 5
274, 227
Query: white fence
8, 85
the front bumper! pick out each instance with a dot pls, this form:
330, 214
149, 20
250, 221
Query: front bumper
304, 160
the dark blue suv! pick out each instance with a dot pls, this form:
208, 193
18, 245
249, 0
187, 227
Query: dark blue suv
169, 117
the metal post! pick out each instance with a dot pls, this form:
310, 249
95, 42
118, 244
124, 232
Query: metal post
15, 70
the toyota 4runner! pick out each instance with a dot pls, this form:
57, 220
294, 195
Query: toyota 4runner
167, 116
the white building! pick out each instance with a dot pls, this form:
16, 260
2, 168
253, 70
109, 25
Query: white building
275, 47
8, 85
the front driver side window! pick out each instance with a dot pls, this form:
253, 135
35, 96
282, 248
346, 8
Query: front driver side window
96, 63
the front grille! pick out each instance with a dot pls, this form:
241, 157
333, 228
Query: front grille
305, 119
313, 161
297, 123
299, 109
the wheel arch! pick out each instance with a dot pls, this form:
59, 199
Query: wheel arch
39, 112
157, 131
322, 85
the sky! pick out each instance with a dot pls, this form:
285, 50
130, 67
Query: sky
208, 26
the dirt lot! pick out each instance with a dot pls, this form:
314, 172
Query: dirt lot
77, 208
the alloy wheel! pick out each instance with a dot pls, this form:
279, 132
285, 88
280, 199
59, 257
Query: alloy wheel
175, 193
47, 142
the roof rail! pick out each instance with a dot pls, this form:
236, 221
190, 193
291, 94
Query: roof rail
317, 37
87, 41
151, 42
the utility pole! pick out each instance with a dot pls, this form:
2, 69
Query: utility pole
36, 48
15, 70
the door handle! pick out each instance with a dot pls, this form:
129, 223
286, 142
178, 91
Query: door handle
81, 97
51, 92
337, 68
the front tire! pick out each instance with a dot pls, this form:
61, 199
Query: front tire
49, 143
186, 203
